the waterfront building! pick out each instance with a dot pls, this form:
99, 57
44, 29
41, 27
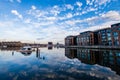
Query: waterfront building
104, 37
87, 38
70, 41
115, 34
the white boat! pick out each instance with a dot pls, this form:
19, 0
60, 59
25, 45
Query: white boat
26, 49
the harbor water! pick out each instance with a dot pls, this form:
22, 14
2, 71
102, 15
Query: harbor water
60, 64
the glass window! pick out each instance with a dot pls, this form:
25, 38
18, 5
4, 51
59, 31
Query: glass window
116, 42
103, 31
109, 38
116, 38
103, 37
115, 33
108, 34
108, 31
103, 34
118, 28
110, 43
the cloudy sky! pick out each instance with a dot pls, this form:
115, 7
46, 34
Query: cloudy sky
53, 20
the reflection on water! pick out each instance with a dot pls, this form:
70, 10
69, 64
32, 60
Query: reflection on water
26, 53
59, 64
110, 58
10, 49
50, 48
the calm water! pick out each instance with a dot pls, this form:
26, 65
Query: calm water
60, 64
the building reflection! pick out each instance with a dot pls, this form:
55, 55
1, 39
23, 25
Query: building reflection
10, 49
26, 53
71, 53
104, 58
50, 48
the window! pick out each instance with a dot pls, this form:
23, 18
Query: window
108, 34
103, 31
110, 43
118, 28
116, 42
103, 37
103, 34
108, 31
115, 34
109, 38
116, 38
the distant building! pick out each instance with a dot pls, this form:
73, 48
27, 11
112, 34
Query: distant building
115, 34
50, 44
12, 44
70, 40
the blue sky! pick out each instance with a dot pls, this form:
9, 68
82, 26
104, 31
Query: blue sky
53, 20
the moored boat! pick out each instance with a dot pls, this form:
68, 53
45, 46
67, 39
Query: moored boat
26, 49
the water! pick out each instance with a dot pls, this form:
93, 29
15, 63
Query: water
60, 64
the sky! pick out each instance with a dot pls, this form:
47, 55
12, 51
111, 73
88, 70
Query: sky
52, 20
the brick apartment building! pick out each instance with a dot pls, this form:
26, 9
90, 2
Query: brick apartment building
87, 38
105, 37
115, 34
70, 40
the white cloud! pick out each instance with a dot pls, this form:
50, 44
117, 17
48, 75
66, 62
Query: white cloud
50, 18
4, 24
69, 6
19, 1
108, 19
93, 23
90, 2
15, 12
55, 10
102, 2
111, 15
27, 21
13, 33
69, 15
33, 7
70, 22
11, 0
79, 4
87, 2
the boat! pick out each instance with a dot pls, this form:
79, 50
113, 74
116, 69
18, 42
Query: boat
26, 49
